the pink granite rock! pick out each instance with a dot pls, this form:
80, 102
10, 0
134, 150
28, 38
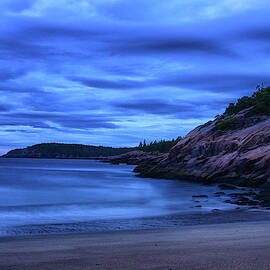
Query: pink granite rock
240, 156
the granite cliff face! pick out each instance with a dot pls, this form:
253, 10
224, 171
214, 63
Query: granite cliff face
238, 154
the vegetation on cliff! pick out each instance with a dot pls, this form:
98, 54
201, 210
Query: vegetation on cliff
227, 124
162, 146
258, 104
259, 101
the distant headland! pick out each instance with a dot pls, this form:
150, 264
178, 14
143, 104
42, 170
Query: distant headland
80, 151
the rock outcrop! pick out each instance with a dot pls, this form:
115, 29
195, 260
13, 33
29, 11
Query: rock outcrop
135, 158
240, 155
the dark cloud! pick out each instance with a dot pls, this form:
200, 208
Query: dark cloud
216, 82
16, 5
47, 30
19, 88
20, 49
4, 108
109, 84
87, 123
155, 106
208, 82
39, 120
259, 34
6, 75
46, 42
19, 130
11, 121
179, 109
175, 45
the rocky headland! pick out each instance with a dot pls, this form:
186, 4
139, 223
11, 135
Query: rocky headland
240, 155
233, 149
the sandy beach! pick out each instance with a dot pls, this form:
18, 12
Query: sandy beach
239, 246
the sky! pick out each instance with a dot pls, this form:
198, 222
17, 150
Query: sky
115, 72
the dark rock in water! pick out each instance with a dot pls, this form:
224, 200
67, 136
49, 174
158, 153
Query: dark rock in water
264, 197
243, 201
198, 206
240, 203
247, 202
226, 186
199, 196
265, 203
220, 193
251, 193
228, 201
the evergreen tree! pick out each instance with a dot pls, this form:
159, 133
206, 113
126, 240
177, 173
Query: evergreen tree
144, 143
161, 146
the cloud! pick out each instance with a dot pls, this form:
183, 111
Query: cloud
18, 88
257, 34
216, 82
16, 5
40, 120
6, 75
180, 109
109, 84
183, 79
176, 44
4, 108
155, 106
174, 11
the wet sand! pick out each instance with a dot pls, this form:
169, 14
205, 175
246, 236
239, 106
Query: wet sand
234, 246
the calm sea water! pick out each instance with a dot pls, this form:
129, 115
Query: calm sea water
61, 196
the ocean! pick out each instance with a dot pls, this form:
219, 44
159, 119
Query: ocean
50, 196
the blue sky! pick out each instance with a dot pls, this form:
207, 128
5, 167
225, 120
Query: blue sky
114, 72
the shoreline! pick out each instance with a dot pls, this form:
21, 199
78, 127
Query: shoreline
243, 245
172, 221
83, 235
15, 238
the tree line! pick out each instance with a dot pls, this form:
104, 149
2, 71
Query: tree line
162, 146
